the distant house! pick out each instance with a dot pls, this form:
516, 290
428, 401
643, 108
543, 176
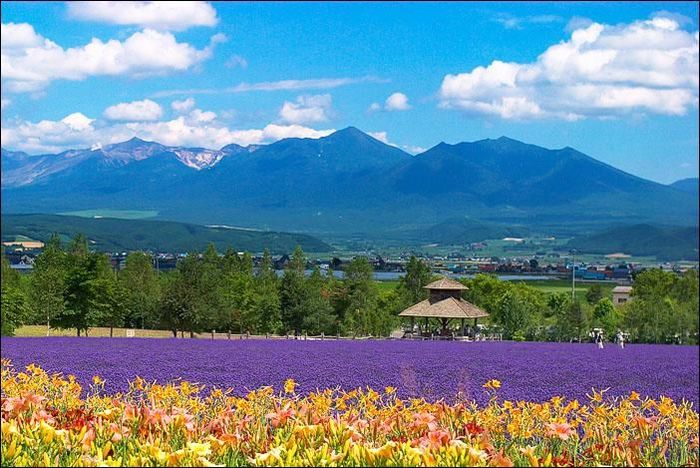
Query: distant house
621, 294
282, 262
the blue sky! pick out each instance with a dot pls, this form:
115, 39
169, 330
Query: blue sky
617, 81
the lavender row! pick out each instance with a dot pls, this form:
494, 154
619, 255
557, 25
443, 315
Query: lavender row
433, 370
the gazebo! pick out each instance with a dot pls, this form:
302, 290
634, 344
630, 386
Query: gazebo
444, 303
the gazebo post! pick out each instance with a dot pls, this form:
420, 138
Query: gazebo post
426, 324
413, 324
462, 327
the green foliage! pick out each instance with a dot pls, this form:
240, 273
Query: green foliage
90, 295
47, 285
411, 285
605, 316
664, 308
141, 289
293, 292
267, 299
594, 294
14, 308
362, 314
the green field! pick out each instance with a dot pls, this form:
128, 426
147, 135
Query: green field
118, 235
104, 213
548, 286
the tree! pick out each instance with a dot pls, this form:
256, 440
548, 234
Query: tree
267, 299
594, 294
110, 299
411, 285
485, 291
515, 312
606, 316
86, 287
362, 314
579, 319
319, 317
293, 292
14, 310
141, 288
47, 283
185, 305
654, 283
238, 297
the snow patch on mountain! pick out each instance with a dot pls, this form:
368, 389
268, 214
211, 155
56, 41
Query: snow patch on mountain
198, 159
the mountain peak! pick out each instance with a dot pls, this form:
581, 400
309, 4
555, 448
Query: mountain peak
349, 132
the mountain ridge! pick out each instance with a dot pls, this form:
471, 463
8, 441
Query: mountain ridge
347, 181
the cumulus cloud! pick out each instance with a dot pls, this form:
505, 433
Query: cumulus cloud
78, 122
306, 109
30, 62
601, 71
395, 102
198, 128
182, 106
134, 111
4, 103
162, 15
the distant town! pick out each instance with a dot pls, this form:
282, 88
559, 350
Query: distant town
617, 268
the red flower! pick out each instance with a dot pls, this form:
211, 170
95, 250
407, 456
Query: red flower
473, 428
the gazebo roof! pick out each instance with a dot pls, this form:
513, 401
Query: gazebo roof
447, 308
446, 283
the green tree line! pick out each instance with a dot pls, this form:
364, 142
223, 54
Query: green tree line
74, 288
663, 309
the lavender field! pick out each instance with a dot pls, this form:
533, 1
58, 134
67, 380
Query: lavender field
530, 371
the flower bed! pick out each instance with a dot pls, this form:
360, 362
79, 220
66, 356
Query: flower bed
50, 420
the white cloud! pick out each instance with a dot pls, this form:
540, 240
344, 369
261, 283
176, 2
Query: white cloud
397, 102
601, 71
198, 128
236, 61
199, 116
134, 111
384, 138
78, 122
19, 36
514, 22
4, 103
306, 109
283, 85
183, 106
162, 15
414, 149
381, 136
31, 62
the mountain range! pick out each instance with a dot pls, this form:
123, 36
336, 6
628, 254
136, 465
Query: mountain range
347, 182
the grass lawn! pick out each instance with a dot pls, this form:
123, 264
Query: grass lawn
120, 214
